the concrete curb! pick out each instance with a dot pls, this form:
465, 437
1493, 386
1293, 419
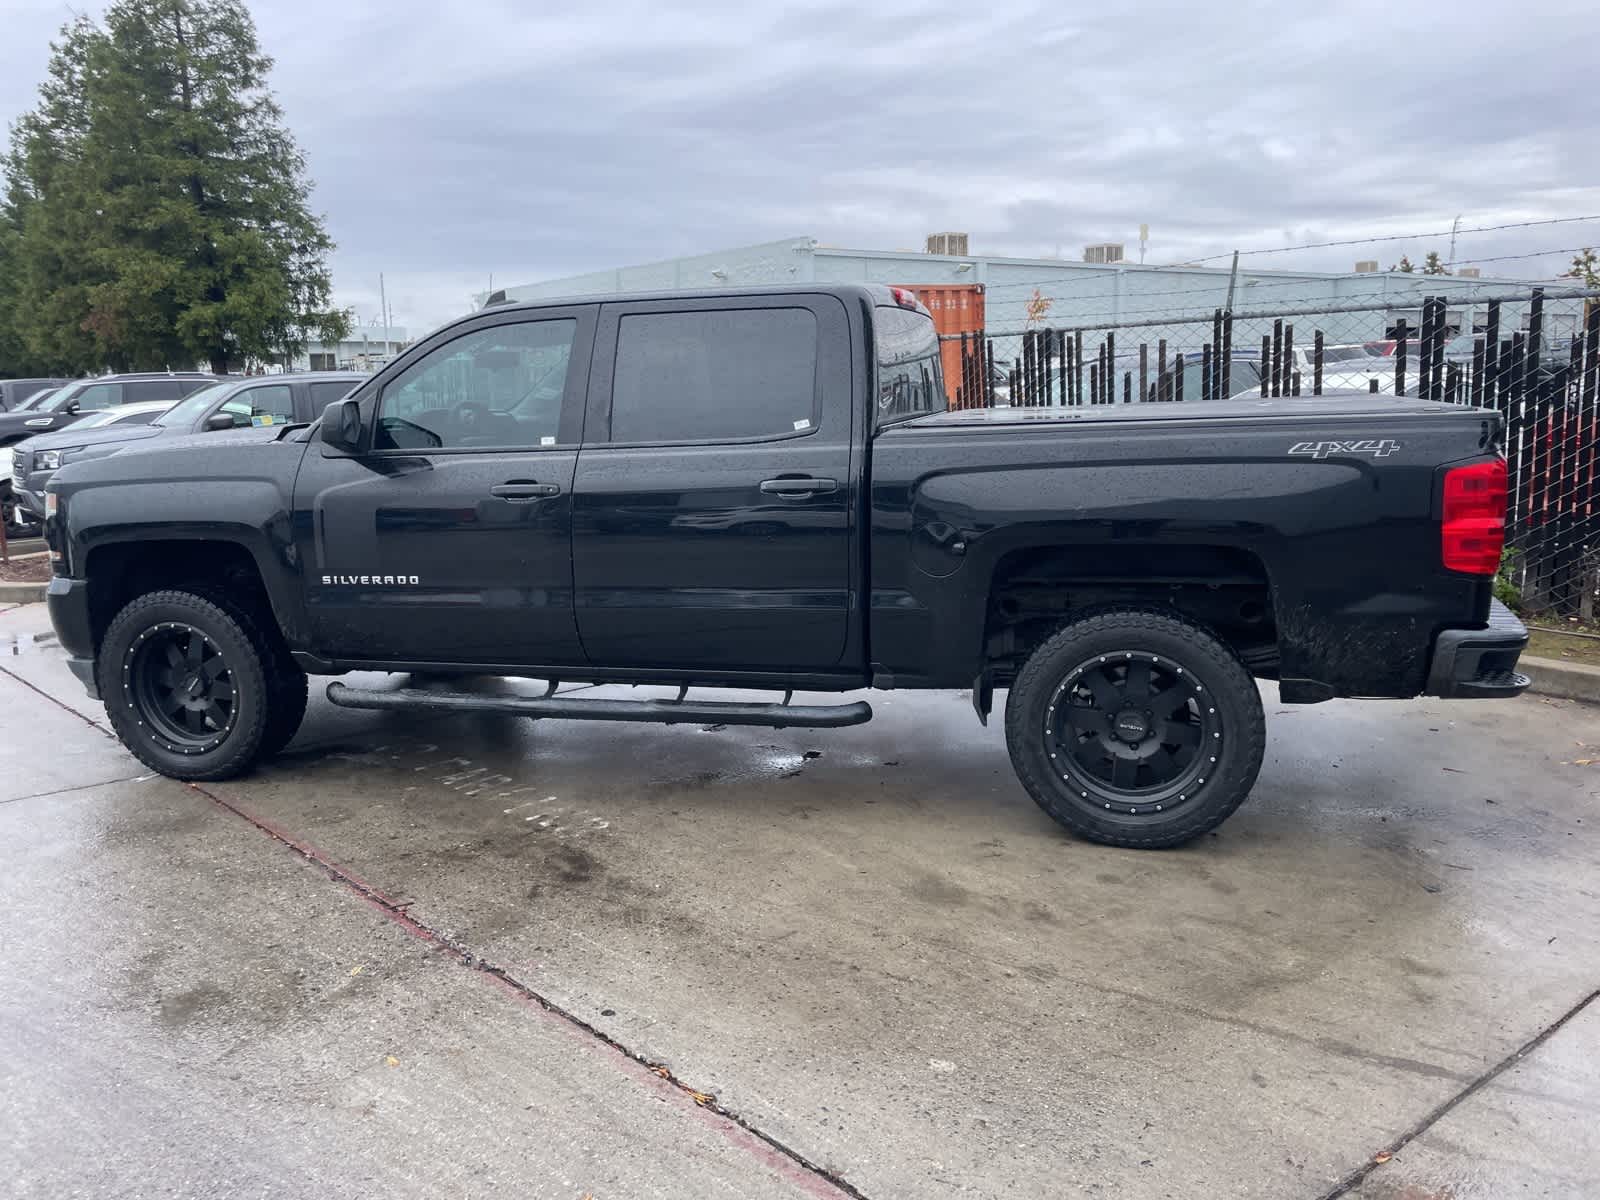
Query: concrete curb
1569, 681
22, 593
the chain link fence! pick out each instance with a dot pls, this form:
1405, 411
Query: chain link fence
1532, 356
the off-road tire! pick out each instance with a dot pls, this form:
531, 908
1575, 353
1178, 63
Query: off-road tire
287, 688
250, 658
1059, 743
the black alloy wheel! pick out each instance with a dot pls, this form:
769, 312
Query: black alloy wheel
1135, 727
1132, 732
182, 687
195, 686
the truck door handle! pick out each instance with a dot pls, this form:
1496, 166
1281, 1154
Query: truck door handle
525, 489
799, 485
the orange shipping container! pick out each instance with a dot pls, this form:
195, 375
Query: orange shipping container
956, 308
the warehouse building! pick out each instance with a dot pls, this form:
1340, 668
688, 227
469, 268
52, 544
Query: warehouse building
1062, 293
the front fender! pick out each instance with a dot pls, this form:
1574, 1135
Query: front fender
252, 513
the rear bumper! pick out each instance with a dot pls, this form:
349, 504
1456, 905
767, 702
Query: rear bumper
1480, 664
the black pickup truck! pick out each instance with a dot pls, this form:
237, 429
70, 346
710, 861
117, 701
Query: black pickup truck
763, 489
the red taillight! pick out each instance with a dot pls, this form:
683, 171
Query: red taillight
1474, 530
904, 297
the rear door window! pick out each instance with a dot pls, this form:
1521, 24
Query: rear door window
722, 375
156, 389
324, 394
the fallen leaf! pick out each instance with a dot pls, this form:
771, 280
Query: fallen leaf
1583, 762
1382, 1156
390, 1060
663, 1072
701, 1098
357, 970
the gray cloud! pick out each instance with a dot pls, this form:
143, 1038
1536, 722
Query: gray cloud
449, 143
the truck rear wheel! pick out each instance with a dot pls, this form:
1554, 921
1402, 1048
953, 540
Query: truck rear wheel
1136, 727
189, 684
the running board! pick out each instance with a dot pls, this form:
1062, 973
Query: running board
665, 712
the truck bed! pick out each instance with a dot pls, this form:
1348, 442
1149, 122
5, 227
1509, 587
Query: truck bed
1329, 504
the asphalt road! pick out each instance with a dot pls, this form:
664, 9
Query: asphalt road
421, 957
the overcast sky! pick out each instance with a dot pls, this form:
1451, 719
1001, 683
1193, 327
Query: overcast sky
533, 140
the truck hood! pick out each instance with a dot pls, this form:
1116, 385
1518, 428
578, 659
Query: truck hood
69, 437
164, 462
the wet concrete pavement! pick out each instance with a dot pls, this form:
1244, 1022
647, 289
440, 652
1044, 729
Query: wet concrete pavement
437, 956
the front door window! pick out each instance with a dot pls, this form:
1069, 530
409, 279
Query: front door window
494, 388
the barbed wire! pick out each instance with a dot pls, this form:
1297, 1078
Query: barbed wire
1479, 293
1394, 237
1361, 301
1220, 280
1351, 305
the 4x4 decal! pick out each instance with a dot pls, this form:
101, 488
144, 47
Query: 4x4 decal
1378, 448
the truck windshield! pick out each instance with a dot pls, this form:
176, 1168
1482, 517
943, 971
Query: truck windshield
34, 401
189, 410
910, 381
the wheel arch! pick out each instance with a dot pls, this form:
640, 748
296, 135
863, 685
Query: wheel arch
120, 570
1034, 589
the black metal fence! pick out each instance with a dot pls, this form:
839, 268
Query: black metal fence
1532, 356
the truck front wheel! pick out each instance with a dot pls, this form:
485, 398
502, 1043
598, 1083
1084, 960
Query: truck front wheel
189, 683
1136, 727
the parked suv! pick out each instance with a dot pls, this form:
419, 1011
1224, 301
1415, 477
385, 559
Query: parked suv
74, 399
14, 391
226, 404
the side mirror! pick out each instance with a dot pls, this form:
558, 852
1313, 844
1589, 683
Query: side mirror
341, 426
72, 406
217, 421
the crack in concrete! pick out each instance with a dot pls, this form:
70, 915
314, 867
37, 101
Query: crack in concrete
1356, 1177
778, 1154
35, 688
76, 787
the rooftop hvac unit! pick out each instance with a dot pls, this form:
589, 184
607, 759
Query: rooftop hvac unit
1366, 266
948, 243
1103, 252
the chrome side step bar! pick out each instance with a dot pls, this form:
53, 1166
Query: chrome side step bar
573, 708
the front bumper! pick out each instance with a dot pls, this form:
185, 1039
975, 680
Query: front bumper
1480, 664
68, 603
83, 668
30, 492
32, 502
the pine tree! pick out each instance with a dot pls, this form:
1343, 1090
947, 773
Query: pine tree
173, 226
1404, 266
1433, 265
48, 222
